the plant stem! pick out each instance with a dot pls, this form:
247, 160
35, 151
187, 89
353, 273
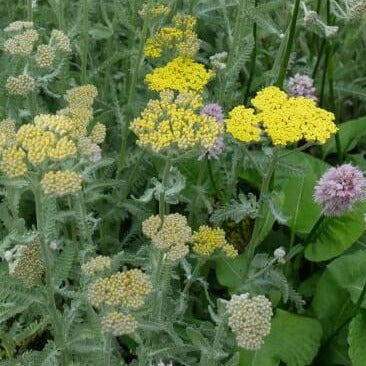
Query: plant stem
107, 349
213, 182
314, 230
330, 49
85, 42
162, 205
132, 92
30, 10
56, 318
253, 60
254, 242
290, 41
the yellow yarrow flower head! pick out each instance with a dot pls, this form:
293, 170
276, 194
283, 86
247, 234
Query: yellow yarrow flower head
59, 124
181, 74
154, 11
45, 56
180, 39
81, 97
21, 44
128, 288
206, 240
171, 122
62, 41
64, 149
7, 133
20, 85
98, 133
61, 183
243, 124
289, 120
96, 265
117, 323
13, 162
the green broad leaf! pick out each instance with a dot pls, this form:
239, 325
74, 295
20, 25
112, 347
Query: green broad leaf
229, 271
349, 134
338, 290
357, 340
337, 234
298, 190
294, 339
99, 32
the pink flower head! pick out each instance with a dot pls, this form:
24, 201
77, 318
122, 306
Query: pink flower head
302, 86
214, 110
339, 188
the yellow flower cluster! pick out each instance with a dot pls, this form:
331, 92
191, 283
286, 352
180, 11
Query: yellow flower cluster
117, 323
98, 133
181, 38
7, 134
181, 74
154, 11
62, 41
170, 236
45, 56
13, 162
206, 240
285, 120
18, 26
20, 85
243, 124
171, 122
28, 265
61, 183
128, 289
21, 44
97, 264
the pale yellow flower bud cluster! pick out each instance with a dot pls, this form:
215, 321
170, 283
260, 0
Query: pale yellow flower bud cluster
28, 264
118, 323
21, 41
62, 182
97, 265
250, 319
170, 236
20, 85
124, 291
207, 240
45, 56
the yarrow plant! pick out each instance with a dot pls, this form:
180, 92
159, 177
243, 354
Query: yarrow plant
182, 183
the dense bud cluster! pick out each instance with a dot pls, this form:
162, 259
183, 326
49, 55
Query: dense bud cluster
250, 319
170, 236
117, 323
96, 265
20, 85
28, 264
45, 56
61, 182
62, 41
128, 289
21, 44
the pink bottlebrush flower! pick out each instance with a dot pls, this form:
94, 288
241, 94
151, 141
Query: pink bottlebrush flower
214, 110
339, 188
302, 86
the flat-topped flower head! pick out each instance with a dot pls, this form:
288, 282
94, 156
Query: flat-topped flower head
339, 188
181, 74
96, 265
117, 323
207, 240
20, 85
128, 288
13, 163
175, 123
28, 265
180, 39
285, 120
243, 124
61, 183
250, 319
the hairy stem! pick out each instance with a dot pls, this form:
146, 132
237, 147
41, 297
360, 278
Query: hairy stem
255, 240
132, 92
56, 318
85, 42
30, 10
253, 60
288, 49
